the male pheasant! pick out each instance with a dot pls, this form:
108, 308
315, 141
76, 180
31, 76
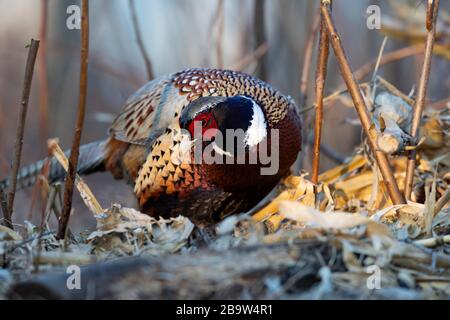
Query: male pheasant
148, 144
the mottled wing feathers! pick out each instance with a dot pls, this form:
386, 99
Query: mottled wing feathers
195, 83
137, 120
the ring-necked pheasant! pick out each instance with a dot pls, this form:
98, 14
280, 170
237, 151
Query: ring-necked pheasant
146, 142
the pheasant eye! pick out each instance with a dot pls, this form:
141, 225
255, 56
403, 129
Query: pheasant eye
206, 122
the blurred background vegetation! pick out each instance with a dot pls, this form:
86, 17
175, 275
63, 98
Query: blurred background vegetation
179, 34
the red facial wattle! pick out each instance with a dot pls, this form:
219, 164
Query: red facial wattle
208, 124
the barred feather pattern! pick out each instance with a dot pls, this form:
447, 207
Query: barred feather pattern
91, 159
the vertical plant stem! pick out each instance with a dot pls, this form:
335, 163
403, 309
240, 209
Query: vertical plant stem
260, 35
44, 220
361, 108
74, 152
219, 35
137, 32
42, 74
3, 203
304, 80
321, 74
307, 60
29, 70
432, 13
